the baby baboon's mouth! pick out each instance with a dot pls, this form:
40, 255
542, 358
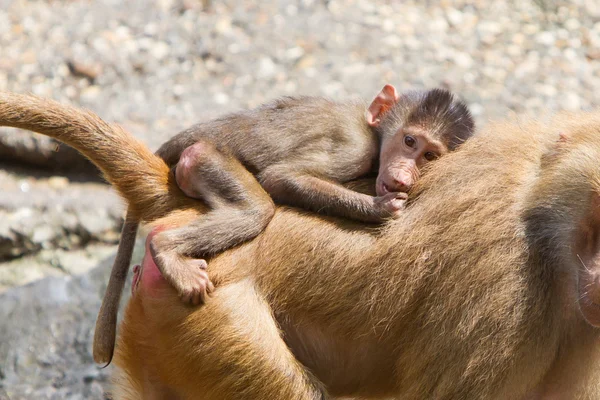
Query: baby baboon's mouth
382, 189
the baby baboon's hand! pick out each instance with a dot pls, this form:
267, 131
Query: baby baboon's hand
391, 204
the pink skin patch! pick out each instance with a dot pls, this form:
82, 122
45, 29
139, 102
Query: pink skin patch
185, 174
148, 278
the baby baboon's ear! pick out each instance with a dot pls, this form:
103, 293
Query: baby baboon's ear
381, 104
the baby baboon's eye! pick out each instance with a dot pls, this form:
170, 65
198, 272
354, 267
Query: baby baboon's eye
410, 141
430, 156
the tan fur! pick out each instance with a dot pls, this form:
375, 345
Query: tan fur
472, 295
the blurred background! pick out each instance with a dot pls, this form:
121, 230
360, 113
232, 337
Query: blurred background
157, 67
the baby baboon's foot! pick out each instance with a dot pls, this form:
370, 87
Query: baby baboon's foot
193, 284
187, 275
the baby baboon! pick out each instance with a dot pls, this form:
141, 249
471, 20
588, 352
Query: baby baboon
301, 150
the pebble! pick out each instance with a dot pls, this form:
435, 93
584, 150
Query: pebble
546, 38
90, 93
221, 98
160, 50
294, 53
266, 68
455, 17
570, 101
463, 60
58, 182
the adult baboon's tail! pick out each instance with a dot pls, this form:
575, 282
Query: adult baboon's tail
141, 177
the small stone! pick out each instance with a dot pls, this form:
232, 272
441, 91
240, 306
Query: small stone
89, 71
305, 62
514, 50
393, 41
547, 90
574, 43
593, 54
122, 32
570, 54
412, 43
29, 57
455, 17
221, 98
291, 10
294, 53
24, 186
266, 68
234, 48
223, 25
530, 29
571, 101
42, 234
545, 38
58, 182
90, 93
70, 92
518, 39
335, 7
291, 87
388, 25
5, 24
439, 25
463, 60
333, 89
572, 24
95, 222
489, 27
160, 50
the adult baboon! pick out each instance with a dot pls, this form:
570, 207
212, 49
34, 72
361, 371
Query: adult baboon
487, 288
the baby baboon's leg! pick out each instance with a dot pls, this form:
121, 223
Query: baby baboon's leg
240, 210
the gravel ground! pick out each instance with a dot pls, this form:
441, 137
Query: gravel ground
157, 67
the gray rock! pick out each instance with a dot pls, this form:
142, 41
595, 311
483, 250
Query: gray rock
47, 331
53, 212
23, 147
27, 230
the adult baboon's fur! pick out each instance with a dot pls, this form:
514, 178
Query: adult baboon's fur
486, 289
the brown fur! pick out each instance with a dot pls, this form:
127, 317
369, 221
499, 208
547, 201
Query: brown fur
474, 294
